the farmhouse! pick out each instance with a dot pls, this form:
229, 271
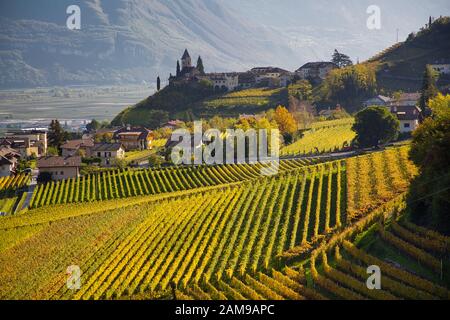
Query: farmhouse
32, 138
22, 145
108, 152
8, 161
77, 147
134, 138
316, 71
223, 81
269, 75
378, 100
60, 168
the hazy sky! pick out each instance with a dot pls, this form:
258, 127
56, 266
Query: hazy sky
340, 21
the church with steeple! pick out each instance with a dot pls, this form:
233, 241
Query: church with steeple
187, 72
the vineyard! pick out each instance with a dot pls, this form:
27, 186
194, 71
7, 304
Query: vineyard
327, 136
13, 182
230, 239
10, 194
141, 155
248, 97
411, 262
116, 184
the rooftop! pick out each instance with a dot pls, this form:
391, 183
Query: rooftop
107, 147
52, 162
185, 54
75, 144
320, 64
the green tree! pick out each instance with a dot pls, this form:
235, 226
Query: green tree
93, 125
350, 86
56, 134
200, 66
341, 60
52, 151
428, 91
158, 84
301, 90
375, 126
430, 191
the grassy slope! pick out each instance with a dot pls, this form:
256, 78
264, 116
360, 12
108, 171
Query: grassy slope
401, 67
197, 101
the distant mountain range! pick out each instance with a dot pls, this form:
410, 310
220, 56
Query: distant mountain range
130, 41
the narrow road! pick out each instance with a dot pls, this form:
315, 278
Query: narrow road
31, 187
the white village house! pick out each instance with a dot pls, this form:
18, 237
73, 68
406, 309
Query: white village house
60, 168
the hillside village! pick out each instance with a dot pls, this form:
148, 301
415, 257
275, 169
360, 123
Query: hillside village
32, 144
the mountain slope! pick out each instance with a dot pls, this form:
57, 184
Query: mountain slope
121, 40
401, 67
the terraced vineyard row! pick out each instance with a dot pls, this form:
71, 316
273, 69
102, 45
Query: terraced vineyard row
118, 184
289, 284
415, 273
228, 240
14, 182
323, 138
215, 236
373, 179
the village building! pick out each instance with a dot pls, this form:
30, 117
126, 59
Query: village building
316, 71
34, 140
223, 81
269, 75
378, 100
246, 80
408, 116
187, 72
80, 147
286, 79
134, 138
9, 158
22, 145
60, 168
407, 112
406, 99
442, 67
108, 152
173, 124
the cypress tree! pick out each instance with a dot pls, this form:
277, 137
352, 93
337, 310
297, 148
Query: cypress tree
200, 66
428, 91
158, 83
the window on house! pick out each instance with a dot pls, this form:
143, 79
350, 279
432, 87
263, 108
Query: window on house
99, 154
406, 125
62, 172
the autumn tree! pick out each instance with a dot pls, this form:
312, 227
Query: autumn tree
286, 123
430, 190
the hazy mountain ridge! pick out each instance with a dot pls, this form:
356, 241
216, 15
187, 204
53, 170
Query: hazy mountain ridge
125, 41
